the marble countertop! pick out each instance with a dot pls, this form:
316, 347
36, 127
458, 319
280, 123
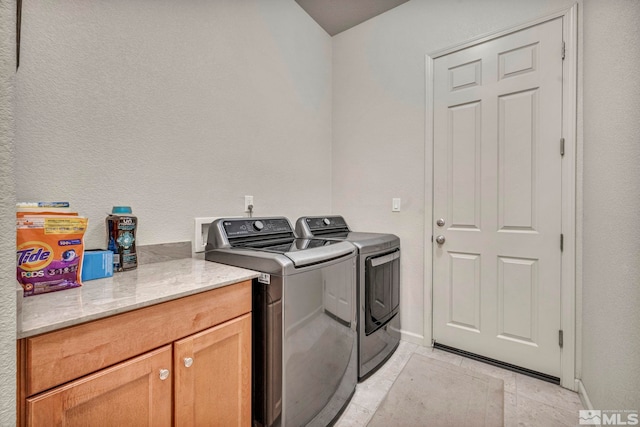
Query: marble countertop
147, 285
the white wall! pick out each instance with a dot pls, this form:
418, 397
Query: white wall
611, 252
7, 217
176, 109
379, 121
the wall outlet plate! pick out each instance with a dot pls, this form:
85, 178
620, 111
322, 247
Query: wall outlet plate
248, 200
201, 230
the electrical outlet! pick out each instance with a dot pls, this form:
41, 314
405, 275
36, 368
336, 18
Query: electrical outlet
248, 200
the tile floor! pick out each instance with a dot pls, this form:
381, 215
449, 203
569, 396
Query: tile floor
527, 401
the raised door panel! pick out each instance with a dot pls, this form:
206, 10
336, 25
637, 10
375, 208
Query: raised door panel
130, 393
464, 291
213, 376
517, 161
518, 292
464, 165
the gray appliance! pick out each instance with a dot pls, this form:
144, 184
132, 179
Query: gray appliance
303, 319
378, 288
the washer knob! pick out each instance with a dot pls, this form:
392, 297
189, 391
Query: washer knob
326, 221
258, 225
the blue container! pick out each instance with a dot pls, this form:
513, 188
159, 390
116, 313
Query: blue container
97, 264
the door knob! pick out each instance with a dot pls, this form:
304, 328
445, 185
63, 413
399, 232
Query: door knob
188, 361
440, 222
440, 239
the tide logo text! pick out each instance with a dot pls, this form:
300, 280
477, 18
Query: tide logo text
32, 256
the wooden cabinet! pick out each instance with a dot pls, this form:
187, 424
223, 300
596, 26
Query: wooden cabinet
182, 362
130, 393
212, 376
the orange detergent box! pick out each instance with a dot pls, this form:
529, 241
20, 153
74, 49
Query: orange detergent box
49, 251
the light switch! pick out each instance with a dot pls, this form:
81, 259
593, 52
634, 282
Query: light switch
395, 205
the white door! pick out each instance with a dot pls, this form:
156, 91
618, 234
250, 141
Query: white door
497, 186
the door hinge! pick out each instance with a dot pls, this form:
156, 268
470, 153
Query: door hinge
561, 242
431, 239
564, 50
560, 338
18, 31
562, 146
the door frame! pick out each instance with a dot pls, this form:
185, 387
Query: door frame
570, 178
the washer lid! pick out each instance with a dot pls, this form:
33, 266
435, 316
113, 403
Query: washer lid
314, 251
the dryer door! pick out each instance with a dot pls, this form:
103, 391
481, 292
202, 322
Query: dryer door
382, 282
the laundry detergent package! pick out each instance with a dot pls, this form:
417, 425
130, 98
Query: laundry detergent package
49, 251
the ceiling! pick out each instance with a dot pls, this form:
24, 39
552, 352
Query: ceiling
335, 16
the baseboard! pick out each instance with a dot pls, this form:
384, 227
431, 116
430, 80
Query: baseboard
412, 338
582, 392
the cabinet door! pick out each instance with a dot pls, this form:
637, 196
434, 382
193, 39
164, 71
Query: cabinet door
213, 376
130, 393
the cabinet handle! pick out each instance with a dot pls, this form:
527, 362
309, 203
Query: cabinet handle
164, 374
188, 361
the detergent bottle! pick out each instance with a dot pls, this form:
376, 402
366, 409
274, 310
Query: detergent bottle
121, 238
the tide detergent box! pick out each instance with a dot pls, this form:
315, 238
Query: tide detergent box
49, 251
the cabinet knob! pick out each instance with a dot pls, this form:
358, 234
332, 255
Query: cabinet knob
164, 374
188, 361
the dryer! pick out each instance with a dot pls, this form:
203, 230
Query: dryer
378, 287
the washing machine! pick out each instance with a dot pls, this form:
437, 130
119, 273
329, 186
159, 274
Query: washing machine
304, 339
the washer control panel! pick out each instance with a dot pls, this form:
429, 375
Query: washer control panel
255, 226
326, 222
